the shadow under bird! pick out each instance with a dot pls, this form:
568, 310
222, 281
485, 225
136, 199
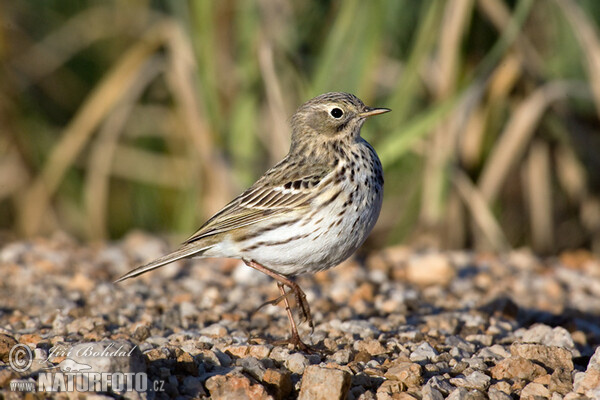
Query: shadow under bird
309, 212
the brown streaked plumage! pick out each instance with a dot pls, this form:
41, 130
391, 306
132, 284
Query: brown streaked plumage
309, 212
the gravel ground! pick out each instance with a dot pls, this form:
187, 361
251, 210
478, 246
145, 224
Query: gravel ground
399, 324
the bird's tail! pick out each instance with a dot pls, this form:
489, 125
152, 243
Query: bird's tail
186, 251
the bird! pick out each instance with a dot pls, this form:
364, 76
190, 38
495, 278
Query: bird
308, 213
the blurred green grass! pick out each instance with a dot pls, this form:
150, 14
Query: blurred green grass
153, 114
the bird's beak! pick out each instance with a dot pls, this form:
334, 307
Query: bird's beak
369, 112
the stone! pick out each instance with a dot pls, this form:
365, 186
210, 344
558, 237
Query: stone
429, 269
371, 346
517, 368
259, 351
496, 394
464, 394
192, 386
187, 364
534, 391
7, 375
407, 373
6, 344
423, 352
235, 386
546, 335
324, 383
475, 380
252, 366
589, 384
429, 393
550, 356
342, 357
279, 381
296, 363
560, 381
390, 390
214, 330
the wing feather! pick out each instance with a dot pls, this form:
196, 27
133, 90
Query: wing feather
278, 191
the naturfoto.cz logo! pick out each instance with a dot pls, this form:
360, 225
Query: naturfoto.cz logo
75, 376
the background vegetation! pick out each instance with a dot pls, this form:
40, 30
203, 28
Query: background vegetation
152, 114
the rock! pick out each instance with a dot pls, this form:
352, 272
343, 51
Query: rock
235, 386
517, 368
496, 394
464, 394
439, 383
429, 269
407, 373
534, 391
342, 357
423, 352
238, 351
324, 383
296, 363
589, 384
6, 344
214, 330
475, 380
550, 356
187, 364
7, 375
259, 351
279, 382
192, 386
543, 334
371, 346
560, 381
252, 366
430, 393
390, 390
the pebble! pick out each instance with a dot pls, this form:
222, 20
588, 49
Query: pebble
517, 368
424, 352
235, 386
6, 344
407, 373
550, 356
429, 269
534, 391
475, 380
296, 363
324, 384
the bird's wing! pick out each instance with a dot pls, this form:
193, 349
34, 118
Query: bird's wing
281, 189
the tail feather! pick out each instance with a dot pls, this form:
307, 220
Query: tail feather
159, 262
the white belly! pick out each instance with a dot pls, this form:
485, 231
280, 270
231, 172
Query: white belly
323, 238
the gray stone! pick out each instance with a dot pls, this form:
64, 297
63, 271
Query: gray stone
423, 352
342, 357
192, 386
543, 334
429, 393
296, 363
252, 366
495, 394
476, 380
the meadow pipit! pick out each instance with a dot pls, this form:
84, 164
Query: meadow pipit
309, 212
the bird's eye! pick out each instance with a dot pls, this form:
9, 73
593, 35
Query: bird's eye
336, 113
